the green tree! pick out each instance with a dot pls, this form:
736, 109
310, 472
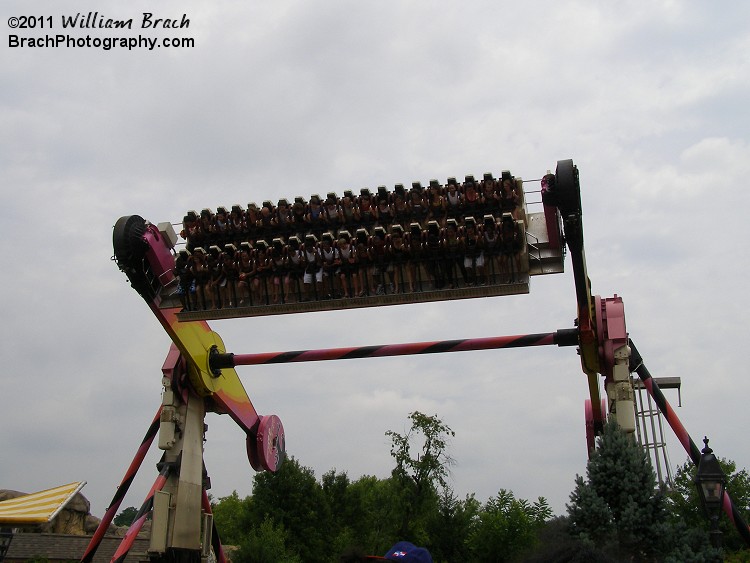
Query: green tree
293, 499
449, 525
554, 543
618, 504
507, 527
232, 518
430, 467
126, 516
684, 505
335, 486
266, 543
619, 509
420, 474
374, 506
346, 516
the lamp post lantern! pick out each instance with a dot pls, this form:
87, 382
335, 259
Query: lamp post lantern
711, 484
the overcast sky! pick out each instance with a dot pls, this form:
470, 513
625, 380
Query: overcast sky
292, 98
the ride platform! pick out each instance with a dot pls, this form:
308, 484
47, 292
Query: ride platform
538, 257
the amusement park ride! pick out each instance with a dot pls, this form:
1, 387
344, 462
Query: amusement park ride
199, 375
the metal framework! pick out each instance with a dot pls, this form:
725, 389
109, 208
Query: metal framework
650, 427
199, 377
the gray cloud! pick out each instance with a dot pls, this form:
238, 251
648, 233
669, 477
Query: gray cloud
298, 98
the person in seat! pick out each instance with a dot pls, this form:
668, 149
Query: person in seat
510, 249
400, 259
247, 277
382, 272
472, 251
347, 265
313, 269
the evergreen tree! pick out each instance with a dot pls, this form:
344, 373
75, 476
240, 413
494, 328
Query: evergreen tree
618, 505
619, 509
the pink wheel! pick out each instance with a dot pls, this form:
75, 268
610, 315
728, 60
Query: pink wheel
267, 449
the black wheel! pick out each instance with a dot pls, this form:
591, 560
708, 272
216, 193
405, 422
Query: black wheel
130, 252
127, 240
567, 188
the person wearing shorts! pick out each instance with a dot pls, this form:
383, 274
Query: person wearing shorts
313, 269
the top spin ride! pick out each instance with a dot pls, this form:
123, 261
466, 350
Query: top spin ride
199, 375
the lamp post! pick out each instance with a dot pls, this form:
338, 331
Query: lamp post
711, 483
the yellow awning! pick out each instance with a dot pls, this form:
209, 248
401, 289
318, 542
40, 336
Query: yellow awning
37, 508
